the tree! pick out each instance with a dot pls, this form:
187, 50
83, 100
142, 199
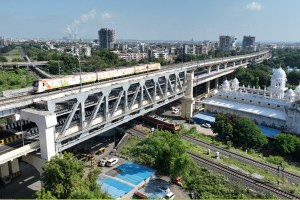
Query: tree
286, 143
3, 59
247, 133
63, 178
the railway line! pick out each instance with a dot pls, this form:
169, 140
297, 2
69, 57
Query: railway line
248, 180
5, 101
290, 176
242, 177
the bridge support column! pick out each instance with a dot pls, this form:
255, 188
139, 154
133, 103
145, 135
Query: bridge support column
225, 65
217, 83
14, 167
46, 122
187, 102
207, 87
4, 170
218, 67
208, 69
13, 118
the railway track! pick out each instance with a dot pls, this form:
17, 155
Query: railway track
247, 179
136, 132
228, 171
202, 63
290, 176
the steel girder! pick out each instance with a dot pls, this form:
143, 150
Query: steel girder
90, 113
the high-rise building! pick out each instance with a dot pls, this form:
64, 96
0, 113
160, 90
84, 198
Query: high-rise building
227, 43
107, 38
249, 42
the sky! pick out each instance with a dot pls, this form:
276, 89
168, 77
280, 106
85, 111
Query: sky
268, 20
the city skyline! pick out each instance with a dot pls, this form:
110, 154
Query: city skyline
267, 20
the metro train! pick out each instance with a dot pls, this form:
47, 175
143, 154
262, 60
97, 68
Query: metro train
44, 85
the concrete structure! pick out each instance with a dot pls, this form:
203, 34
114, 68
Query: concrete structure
227, 42
107, 38
275, 107
132, 56
70, 116
249, 43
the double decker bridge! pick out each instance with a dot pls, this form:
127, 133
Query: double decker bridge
63, 118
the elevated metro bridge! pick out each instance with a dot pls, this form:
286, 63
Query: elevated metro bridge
70, 116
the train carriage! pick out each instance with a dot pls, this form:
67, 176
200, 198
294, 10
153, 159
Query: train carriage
72, 80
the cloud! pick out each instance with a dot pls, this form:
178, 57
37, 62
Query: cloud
106, 16
255, 6
82, 19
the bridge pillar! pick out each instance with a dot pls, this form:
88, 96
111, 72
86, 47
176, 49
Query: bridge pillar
45, 122
187, 102
218, 67
207, 87
13, 118
208, 69
217, 83
4, 170
225, 65
14, 167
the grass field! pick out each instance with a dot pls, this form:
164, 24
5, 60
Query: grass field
15, 53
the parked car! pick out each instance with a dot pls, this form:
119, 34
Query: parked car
111, 162
169, 195
206, 125
175, 110
166, 189
102, 162
190, 121
101, 150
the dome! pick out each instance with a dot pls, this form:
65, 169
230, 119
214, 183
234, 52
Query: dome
290, 93
235, 80
225, 83
278, 74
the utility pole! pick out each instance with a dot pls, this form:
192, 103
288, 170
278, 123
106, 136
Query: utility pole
78, 58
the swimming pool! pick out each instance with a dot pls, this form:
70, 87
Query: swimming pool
130, 173
133, 173
113, 187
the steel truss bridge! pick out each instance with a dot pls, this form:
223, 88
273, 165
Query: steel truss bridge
70, 116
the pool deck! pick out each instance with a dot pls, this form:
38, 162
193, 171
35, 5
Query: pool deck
139, 186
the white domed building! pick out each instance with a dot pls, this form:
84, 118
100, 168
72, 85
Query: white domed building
277, 106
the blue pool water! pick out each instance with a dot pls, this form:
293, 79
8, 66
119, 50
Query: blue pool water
134, 173
269, 132
113, 187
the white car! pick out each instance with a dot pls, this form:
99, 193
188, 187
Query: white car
206, 125
175, 110
103, 162
169, 195
166, 189
111, 162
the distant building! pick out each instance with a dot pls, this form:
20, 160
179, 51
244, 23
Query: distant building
249, 43
1, 42
86, 50
227, 42
161, 54
132, 56
107, 38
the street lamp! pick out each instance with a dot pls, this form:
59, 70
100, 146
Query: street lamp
78, 58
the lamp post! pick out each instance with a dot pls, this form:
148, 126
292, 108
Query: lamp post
78, 58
